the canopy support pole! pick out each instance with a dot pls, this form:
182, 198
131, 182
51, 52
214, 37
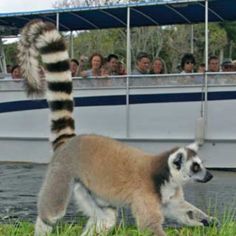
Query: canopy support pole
71, 45
128, 50
192, 39
3, 67
206, 35
58, 21
205, 107
201, 123
128, 67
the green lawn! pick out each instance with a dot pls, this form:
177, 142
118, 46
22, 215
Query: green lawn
26, 229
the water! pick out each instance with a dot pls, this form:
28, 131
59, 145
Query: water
20, 184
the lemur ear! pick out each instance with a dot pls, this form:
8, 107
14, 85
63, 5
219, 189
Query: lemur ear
193, 146
178, 161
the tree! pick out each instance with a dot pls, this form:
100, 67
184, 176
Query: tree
217, 39
143, 39
147, 39
230, 28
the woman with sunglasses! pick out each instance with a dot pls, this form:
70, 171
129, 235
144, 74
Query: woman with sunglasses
187, 63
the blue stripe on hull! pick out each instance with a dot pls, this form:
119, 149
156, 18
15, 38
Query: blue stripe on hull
113, 100
23, 105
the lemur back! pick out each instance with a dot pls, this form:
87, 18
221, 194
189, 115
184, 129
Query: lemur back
41, 39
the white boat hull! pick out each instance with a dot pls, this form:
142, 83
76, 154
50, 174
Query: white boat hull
153, 118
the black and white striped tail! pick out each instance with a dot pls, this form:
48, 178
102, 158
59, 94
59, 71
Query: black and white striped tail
40, 38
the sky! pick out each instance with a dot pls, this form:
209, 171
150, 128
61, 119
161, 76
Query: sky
25, 5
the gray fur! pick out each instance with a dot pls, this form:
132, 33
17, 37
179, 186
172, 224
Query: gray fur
105, 174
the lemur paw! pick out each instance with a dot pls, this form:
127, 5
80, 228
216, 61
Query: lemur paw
211, 221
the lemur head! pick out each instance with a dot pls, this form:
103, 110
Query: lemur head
186, 165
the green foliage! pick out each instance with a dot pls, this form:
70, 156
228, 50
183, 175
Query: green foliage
168, 42
103, 41
230, 28
217, 38
10, 53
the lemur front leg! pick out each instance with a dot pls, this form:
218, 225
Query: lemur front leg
198, 215
185, 213
147, 211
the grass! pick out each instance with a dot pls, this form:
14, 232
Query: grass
227, 228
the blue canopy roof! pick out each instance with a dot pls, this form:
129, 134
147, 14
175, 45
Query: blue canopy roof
162, 12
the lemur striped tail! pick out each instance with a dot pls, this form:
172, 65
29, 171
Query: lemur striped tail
40, 38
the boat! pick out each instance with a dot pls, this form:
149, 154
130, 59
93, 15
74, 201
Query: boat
151, 112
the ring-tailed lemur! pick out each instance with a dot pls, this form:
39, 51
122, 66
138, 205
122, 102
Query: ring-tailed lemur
103, 173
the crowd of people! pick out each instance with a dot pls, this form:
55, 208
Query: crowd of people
100, 66
144, 65
96, 65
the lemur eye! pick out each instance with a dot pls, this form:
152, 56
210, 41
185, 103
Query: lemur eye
195, 167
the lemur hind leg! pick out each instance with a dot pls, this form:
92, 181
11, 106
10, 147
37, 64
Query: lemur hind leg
102, 217
53, 200
147, 212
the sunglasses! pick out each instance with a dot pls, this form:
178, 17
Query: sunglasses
189, 62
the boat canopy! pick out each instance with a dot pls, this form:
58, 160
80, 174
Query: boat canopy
162, 12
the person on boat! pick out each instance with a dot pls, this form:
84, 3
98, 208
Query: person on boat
15, 72
8, 74
96, 62
199, 79
143, 62
227, 65
112, 63
121, 68
106, 70
74, 67
158, 66
213, 64
201, 68
187, 63
9, 68
83, 61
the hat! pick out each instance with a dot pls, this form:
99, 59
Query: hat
227, 62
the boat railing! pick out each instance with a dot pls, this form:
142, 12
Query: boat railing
139, 81
165, 80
